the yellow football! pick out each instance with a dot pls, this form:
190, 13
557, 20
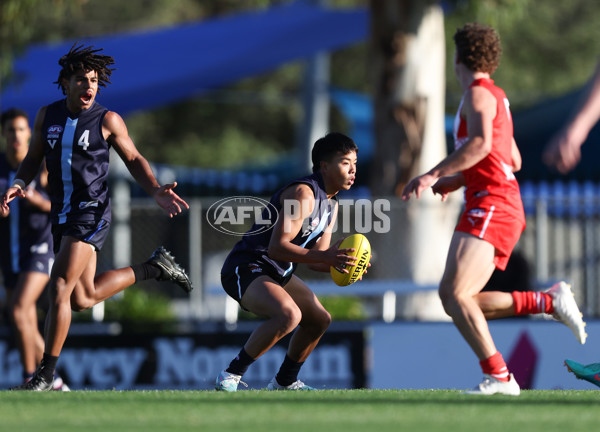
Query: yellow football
362, 250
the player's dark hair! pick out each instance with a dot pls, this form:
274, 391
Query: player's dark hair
478, 47
10, 114
330, 145
86, 59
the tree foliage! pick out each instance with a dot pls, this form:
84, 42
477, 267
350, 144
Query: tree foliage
550, 47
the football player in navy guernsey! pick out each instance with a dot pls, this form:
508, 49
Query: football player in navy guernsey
259, 272
74, 135
26, 255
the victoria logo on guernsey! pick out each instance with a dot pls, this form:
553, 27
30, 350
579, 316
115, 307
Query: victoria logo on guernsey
54, 131
236, 215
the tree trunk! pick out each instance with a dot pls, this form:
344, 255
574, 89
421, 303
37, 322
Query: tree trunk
408, 68
404, 50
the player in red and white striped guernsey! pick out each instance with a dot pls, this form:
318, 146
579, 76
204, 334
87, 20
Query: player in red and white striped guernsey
484, 161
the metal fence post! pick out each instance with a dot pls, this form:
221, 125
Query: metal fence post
195, 251
541, 240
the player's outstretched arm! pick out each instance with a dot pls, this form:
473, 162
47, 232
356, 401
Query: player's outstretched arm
10, 194
417, 185
169, 200
563, 151
479, 108
116, 134
445, 185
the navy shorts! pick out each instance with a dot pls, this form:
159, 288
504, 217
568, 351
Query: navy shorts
40, 261
236, 281
94, 233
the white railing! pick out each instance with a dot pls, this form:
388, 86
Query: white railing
561, 242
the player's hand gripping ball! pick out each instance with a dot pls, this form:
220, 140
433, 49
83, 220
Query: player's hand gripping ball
362, 251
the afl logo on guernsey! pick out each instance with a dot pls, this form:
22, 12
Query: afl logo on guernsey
54, 131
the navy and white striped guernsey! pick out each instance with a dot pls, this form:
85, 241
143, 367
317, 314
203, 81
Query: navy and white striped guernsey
254, 248
27, 229
77, 158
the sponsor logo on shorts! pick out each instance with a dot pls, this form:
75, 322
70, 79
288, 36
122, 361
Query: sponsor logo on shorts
254, 268
474, 216
88, 204
476, 213
41, 248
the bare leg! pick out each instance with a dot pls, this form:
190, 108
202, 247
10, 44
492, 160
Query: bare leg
469, 266
91, 290
30, 342
74, 279
266, 298
314, 323
496, 304
71, 261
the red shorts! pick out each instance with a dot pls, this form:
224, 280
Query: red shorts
495, 222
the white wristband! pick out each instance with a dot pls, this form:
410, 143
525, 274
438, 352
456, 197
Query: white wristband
18, 183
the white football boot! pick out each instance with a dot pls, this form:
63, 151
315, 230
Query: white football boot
566, 310
491, 385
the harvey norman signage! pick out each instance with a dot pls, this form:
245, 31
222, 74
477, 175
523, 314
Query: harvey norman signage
129, 362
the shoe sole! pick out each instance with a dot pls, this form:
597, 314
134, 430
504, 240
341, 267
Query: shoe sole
164, 255
579, 376
576, 326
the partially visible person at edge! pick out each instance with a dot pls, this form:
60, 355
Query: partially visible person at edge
563, 152
259, 271
74, 135
26, 255
484, 161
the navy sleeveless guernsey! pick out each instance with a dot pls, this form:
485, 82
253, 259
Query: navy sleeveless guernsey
26, 230
77, 157
254, 248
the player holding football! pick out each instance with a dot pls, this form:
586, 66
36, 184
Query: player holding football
259, 271
73, 135
484, 161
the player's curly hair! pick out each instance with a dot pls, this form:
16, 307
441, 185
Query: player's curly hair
85, 58
478, 47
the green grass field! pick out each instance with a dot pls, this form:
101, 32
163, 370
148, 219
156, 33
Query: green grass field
327, 410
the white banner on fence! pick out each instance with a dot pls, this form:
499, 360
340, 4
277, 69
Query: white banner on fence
434, 355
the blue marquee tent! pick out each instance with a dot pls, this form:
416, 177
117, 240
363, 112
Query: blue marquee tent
163, 66
159, 67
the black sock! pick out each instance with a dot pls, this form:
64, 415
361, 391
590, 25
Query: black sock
48, 366
288, 372
240, 364
145, 271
